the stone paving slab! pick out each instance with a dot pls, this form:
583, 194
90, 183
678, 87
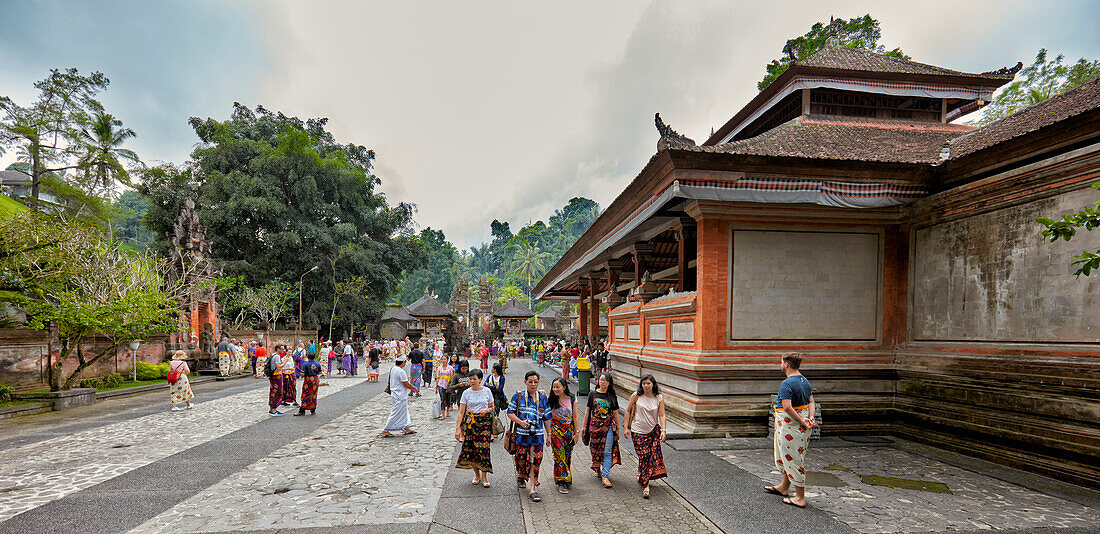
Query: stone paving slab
38, 473
341, 474
975, 501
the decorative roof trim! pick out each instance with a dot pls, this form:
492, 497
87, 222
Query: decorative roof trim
670, 138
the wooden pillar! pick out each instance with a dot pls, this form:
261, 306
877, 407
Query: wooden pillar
639, 251
584, 310
594, 312
684, 229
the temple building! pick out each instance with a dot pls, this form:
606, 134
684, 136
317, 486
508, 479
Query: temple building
841, 214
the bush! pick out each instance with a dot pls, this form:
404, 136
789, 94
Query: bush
5, 392
112, 380
91, 382
150, 371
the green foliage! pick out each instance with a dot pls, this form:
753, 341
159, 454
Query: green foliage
1088, 218
529, 262
1038, 82
151, 371
280, 196
129, 222
111, 380
265, 304
5, 392
91, 382
438, 276
859, 32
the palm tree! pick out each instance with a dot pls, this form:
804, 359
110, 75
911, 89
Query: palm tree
102, 136
530, 262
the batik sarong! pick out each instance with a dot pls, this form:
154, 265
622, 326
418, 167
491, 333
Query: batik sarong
290, 389
309, 392
561, 441
528, 458
275, 391
651, 465
181, 390
223, 363
791, 441
597, 439
416, 375
354, 365
477, 430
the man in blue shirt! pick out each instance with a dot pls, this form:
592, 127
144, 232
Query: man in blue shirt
794, 417
530, 411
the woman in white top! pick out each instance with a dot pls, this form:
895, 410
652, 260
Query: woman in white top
475, 429
645, 421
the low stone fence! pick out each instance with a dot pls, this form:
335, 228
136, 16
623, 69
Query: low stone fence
24, 364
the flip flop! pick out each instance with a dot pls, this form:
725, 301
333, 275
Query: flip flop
535, 497
773, 491
485, 484
787, 500
407, 432
386, 435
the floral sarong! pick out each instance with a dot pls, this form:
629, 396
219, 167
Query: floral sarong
223, 363
416, 376
526, 459
181, 390
597, 438
309, 392
290, 388
651, 465
561, 441
477, 430
791, 441
275, 391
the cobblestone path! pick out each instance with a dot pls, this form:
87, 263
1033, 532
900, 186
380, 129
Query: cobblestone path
340, 474
39, 473
975, 501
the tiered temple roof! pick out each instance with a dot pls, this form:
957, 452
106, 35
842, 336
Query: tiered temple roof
513, 309
429, 308
397, 312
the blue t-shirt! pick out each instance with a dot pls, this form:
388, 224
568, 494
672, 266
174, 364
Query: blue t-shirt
797, 389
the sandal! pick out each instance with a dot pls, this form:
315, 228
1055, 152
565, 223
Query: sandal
787, 500
773, 491
386, 435
475, 482
606, 483
409, 431
535, 497
645, 493
485, 484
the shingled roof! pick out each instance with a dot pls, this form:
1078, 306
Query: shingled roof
399, 313
848, 58
428, 306
1076, 101
551, 312
848, 138
513, 309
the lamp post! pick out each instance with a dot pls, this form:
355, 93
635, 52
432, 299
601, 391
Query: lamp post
133, 351
300, 278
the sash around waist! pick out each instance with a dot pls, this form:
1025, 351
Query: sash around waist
803, 407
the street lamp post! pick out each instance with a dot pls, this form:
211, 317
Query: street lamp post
300, 278
133, 351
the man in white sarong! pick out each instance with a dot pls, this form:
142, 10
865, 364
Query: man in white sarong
399, 392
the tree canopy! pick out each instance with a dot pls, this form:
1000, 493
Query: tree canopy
858, 32
1037, 82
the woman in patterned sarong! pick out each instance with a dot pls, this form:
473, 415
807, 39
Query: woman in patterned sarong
645, 420
290, 384
565, 432
311, 370
474, 429
275, 382
180, 390
602, 416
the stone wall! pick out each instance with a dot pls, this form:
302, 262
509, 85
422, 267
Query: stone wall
23, 362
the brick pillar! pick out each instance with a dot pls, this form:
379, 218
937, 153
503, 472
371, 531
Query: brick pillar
584, 311
712, 280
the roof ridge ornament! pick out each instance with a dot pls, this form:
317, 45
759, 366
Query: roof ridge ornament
1005, 71
670, 138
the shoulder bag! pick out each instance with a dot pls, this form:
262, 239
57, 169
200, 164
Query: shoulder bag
387, 390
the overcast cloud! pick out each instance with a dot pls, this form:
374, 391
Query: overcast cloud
483, 110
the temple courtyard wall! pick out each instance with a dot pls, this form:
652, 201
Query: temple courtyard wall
949, 321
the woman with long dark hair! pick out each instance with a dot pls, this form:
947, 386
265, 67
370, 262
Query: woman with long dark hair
442, 379
645, 420
602, 425
474, 428
565, 432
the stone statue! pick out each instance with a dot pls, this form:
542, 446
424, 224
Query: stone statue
209, 348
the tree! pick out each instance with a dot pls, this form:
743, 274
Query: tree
279, 196
859, 32
1038, 82
438, 276
66, 277
47, 134
529, 262
1088, 218
129, 220
102, 136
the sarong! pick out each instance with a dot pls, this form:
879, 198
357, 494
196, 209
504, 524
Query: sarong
561, 441
597, 438
354, 365
223, 363
181, 390
399, 416
275, 391
791, 441
345, 363
309, 392
290, 389
416, 375
298, 363
651, 465
373, 371
477, 430
528, 458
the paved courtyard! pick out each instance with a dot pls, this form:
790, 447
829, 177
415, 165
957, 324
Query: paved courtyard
226, 466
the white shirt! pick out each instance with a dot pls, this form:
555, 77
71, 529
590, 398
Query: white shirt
348, 351
398, 377
476, 401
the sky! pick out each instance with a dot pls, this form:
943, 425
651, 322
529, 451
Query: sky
490, 109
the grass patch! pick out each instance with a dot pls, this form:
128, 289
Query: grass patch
905, 483
9, 404
9, 205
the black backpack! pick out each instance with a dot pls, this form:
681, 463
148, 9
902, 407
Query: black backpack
269, 367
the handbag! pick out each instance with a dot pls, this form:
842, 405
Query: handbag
436, 410
387, 390
498, 427
510, 439
172, 377
584, 431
